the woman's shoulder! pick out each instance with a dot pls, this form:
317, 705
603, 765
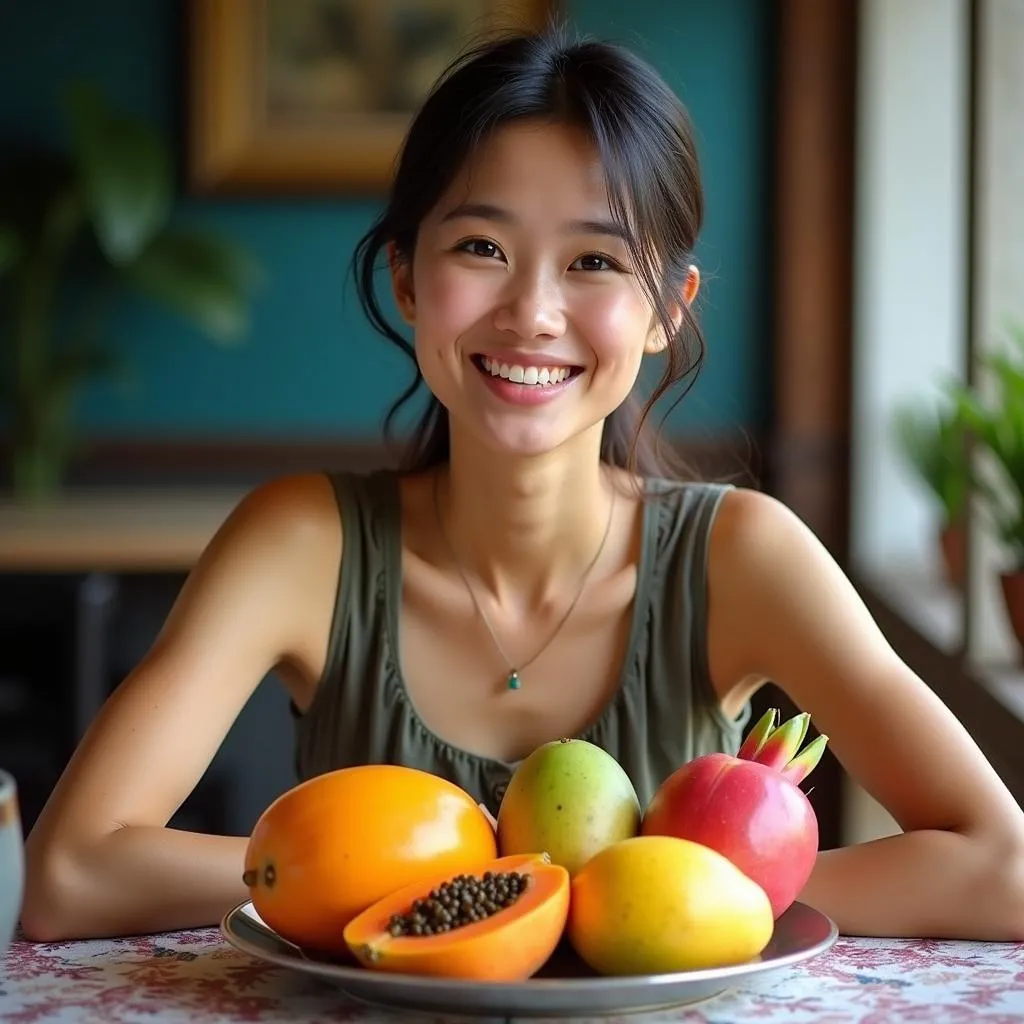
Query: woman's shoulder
744, 530
291, 503
303, 515
289, 519
763, 557
308, 502
750, 521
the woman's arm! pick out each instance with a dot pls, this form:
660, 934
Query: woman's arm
781, 609
99, 860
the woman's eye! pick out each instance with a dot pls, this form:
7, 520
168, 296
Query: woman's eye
481, 247
592, 261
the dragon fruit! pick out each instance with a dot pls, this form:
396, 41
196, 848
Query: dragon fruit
749, 807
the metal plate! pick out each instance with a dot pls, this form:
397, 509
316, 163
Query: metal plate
564, 987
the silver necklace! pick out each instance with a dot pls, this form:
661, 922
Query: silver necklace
513, 681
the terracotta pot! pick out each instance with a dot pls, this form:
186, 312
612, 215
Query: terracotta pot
953, 541
1013, 595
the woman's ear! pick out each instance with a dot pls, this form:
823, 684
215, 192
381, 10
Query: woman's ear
691, 284
401, 283
656, 340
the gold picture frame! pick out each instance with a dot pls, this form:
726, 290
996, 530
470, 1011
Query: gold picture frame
316, 95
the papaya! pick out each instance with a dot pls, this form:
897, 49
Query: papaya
331, 846
499, 923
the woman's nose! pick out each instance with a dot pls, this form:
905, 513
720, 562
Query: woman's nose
531, 306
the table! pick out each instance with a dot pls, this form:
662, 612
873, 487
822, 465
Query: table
191, 976
113, 530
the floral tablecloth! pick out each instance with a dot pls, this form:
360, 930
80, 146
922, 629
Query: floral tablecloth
196, 976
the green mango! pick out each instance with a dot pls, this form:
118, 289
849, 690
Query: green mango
570, 799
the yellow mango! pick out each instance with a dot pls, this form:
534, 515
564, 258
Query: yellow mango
658, 904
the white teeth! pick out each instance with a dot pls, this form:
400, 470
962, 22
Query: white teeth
526, 375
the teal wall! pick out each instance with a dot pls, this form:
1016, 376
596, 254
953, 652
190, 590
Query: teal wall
310, 365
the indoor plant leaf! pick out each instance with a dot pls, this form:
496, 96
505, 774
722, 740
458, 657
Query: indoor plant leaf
204, 277
997, 423
44, 438
933, 443
125, 172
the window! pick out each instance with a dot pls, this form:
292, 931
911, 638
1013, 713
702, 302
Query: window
910, 292
939, 271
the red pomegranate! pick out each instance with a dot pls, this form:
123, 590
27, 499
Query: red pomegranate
749, 807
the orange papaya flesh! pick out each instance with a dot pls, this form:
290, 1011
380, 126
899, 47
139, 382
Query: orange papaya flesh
511, 943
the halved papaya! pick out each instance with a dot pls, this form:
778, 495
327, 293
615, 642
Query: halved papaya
499, 923
336, 843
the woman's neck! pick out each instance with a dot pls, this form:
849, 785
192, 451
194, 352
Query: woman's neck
525, 528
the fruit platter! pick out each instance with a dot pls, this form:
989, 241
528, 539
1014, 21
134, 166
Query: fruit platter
395, 885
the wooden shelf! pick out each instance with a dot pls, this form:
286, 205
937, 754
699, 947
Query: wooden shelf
108, 530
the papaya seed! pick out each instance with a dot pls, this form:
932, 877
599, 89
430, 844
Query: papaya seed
458, 902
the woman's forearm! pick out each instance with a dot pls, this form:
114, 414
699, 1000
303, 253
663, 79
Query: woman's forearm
927, 883
137, 880
144, 879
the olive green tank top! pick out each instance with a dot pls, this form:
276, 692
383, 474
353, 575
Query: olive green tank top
663, 713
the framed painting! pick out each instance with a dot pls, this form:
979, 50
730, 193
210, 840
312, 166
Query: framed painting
316, 95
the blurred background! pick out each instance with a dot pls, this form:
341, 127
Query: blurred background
181, 186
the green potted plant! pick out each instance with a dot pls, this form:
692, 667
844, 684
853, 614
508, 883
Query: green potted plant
932, 442
994, 414
75, 228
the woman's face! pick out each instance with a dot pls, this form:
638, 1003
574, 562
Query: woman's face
530, 324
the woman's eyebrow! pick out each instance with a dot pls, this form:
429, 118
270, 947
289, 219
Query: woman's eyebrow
490, 211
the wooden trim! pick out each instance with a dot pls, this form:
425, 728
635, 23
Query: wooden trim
114, 529
198, 457
973, 233
808, 456
813, 261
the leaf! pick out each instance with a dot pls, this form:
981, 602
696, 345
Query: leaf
202, 276
43, 414
125, 172
997, 423
29, 181
71, 367
755, 739
933, 443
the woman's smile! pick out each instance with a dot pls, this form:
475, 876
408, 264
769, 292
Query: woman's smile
525, 380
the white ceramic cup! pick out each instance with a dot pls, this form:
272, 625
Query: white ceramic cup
12, 859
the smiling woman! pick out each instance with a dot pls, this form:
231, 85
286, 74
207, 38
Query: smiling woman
534, 571
463, 189
548, 262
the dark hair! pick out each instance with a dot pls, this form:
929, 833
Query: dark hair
645, 141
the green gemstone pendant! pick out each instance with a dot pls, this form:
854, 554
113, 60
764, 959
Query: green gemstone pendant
513, 680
